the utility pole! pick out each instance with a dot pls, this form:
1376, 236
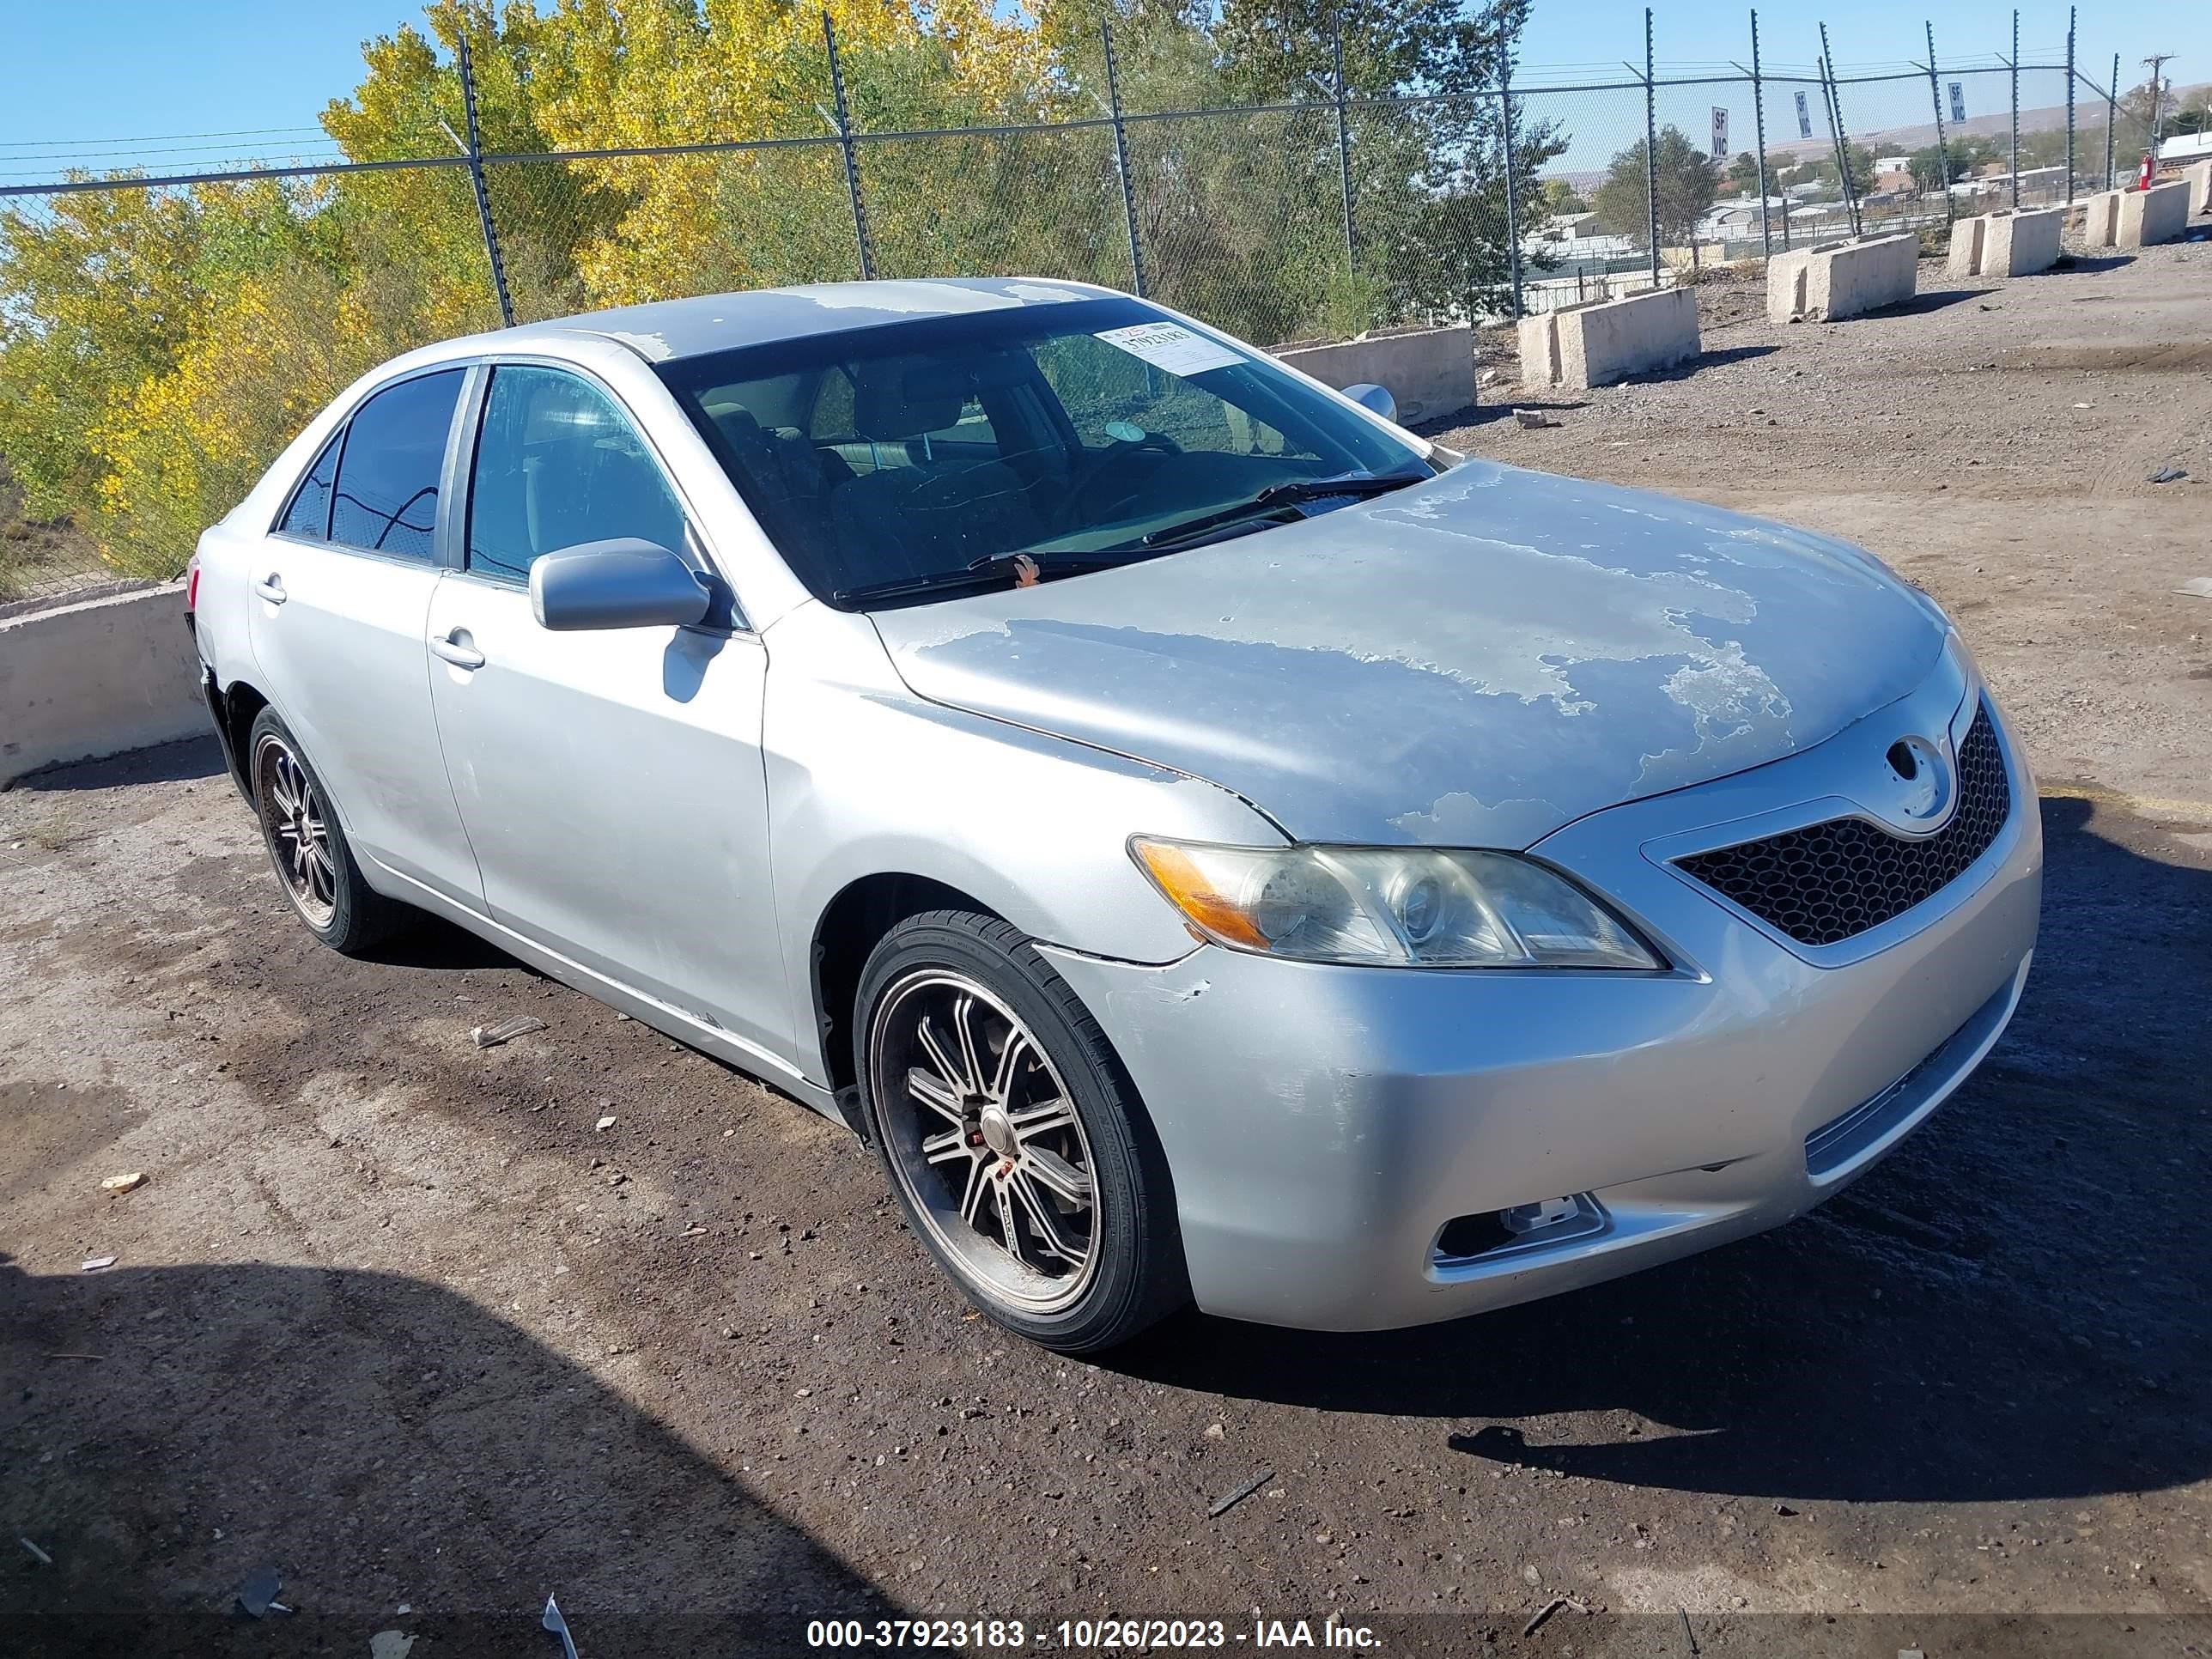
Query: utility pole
2155, 62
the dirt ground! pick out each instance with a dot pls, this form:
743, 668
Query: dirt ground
391, 1315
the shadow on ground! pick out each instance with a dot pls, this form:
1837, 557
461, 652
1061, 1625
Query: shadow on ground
367, 1436
2010, 1307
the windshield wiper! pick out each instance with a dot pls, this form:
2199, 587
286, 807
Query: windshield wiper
1289, 493
995, 567
987, 572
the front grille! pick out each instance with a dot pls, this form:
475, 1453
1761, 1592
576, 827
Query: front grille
1832, 881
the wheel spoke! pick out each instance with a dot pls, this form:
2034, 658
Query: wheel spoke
961, 1083
1002, 1083
1056, 1174
1041, 1220
1046, 1115
1012, 1239
964, 1027
934, 1093
972, 1196
944, 1148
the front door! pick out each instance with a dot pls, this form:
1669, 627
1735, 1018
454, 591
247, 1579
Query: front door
611, 780
342, 594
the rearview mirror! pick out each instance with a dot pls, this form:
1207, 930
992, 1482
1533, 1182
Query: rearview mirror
624, 583
1375, 399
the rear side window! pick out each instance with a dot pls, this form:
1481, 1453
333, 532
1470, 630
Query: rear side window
309, 515
395, 449
559, 464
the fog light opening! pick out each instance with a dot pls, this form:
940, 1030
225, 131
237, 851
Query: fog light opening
1468, 1238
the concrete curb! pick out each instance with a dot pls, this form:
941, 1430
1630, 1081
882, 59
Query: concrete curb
96, 678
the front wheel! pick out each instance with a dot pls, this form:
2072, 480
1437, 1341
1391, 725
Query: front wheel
1015, 1145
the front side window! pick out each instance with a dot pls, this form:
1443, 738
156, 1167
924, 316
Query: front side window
559, 465
386, 498
309, 515
1081, 433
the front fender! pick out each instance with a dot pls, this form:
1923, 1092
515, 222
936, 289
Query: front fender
865, 779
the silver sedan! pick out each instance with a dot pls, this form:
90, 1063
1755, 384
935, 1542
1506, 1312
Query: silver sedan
1214, 844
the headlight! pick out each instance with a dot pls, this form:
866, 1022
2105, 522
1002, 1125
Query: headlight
1410, 906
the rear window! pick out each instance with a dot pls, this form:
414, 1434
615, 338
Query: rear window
386, 498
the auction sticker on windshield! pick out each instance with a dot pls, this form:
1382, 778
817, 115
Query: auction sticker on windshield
1164, 345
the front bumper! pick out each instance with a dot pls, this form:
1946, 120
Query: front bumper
1324, 1124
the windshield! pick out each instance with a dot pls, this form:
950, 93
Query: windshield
901, 455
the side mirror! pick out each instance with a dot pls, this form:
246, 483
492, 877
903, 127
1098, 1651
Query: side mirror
625, 583
1375, 399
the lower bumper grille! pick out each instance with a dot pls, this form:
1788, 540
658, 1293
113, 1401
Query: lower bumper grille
1830, 882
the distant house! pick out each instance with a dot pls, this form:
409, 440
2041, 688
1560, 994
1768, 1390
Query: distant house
2189, 147
1893, 164
1893, 179
1568, 226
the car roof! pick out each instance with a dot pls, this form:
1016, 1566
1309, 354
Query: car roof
668, 330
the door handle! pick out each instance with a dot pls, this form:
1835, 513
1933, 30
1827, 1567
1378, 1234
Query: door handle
459, 649
272, 588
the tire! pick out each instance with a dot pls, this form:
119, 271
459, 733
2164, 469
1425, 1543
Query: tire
325, 884
1052, 1149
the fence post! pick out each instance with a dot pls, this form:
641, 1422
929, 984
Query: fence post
1344, 154
1512, 203
1758, 127
1936, 97
845, 144
477, 180
1122, 160
2015, 112
2070, 106
2111, 105
1651, 149
1842, 140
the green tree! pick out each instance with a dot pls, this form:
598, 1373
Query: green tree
1561, 197
1744, 170
1682, 184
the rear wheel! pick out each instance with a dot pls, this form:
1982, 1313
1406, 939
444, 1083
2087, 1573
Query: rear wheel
1016, 1147
308, 846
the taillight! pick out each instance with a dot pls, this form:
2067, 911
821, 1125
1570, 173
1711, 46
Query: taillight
192, 584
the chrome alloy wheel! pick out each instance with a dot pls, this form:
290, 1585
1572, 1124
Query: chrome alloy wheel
984, 1136
299, 832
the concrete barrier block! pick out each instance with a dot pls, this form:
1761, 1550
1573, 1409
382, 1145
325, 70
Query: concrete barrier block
1831, 281
2100, 218
2021, 244
97, 677
1429, 371
2199, 180
1967, 237
1785, 284
1539, 348
1609, 340
2149, 216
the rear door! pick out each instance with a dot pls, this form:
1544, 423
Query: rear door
342, 591
611, 780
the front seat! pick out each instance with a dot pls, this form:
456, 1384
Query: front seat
931, 515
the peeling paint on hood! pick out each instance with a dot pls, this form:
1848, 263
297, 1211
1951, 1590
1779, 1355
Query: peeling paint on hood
1474, 661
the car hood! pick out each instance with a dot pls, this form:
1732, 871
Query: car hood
1475, 660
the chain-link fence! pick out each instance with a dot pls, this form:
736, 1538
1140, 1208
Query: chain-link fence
161, 336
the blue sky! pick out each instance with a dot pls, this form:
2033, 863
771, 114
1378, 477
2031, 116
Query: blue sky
117, 82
